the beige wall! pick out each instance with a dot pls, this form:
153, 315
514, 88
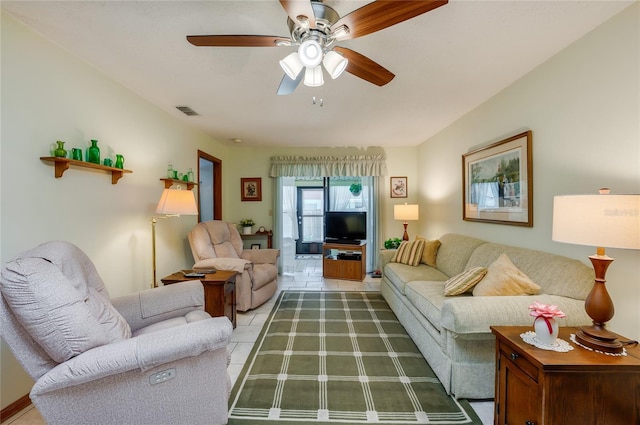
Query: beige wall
583, 109
48, 95
254, 162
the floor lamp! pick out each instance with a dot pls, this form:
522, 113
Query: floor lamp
405, 213
173, 203
602, 221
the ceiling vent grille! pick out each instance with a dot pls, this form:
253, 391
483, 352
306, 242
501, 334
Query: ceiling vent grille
187, 111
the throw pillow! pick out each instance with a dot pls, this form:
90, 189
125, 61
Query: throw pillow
464, 282
504, 278
430, 251
409, 253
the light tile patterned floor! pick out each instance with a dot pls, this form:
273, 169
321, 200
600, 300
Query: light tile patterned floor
307, 276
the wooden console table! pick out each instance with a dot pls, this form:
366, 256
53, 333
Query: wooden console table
219, 292
542, 387
350, 262
258, 236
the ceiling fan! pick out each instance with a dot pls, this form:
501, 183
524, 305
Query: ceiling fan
315, 27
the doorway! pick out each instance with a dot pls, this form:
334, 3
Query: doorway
209, 187
310, 211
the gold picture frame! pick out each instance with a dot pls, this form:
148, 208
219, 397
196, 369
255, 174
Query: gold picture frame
497, 182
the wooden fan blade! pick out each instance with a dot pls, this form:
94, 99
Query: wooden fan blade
237, 40
363, 67
288, 86
382, 14
295, 8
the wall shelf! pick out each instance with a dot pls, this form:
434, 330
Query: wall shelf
170, 182
62, 165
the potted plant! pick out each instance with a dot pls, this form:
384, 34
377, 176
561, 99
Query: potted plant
392, 243
355, 189
247, 224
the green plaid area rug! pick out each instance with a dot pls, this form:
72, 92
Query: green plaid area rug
339, 358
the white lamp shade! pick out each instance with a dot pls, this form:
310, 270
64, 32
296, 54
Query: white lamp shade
310, 53
177, 202
292, 65
334, 63
405, 212
607, 221
313, 77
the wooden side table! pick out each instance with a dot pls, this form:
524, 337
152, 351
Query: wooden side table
542, 387
219, 292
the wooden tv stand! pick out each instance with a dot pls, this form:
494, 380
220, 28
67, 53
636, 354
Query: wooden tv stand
344, 261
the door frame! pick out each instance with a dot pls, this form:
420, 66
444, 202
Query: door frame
217, 184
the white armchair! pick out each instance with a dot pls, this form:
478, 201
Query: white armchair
150, 357
217, 244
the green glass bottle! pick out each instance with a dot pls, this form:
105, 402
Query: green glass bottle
94, 152
60, 152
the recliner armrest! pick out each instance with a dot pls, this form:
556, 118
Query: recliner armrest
261, 256
142, 352
166, 302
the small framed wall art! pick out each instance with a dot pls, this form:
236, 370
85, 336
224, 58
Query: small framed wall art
497, 182
398, 187
251, 189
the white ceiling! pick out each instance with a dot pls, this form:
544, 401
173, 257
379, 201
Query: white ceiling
446, 62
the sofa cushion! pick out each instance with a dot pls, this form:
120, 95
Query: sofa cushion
454, 253
464, 282
504, 278
556, 275
427, 298
430, 251
409, 253
400, 274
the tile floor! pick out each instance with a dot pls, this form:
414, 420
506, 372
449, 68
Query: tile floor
307, 276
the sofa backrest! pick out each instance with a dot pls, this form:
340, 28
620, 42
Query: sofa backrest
557, 275
454, 253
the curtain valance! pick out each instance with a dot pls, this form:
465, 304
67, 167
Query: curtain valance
328, 166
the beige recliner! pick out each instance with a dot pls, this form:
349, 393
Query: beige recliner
150, 357
217, 244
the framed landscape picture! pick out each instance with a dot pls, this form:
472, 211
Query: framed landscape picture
398, 187
251, 189
497, 182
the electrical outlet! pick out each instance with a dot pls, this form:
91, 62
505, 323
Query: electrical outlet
160, 377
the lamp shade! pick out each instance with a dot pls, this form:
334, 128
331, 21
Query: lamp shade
334, 63
607, 221
405, 212
177, 202
291, 65
313, 77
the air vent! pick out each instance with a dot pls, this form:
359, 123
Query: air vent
186, 110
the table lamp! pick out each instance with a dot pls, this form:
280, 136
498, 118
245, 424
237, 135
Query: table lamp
602, 220
173, 203
405, 213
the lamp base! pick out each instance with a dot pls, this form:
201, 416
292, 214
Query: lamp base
598, 338
405, 237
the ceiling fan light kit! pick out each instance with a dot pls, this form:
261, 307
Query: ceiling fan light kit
315, 27
313, 77
292, 65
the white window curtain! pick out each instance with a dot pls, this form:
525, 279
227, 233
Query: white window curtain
328, 166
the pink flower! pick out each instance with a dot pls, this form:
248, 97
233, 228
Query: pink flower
544, 310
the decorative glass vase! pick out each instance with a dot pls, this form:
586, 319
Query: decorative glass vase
546, 330
170, 171
119, 161
60, 152
94, 152
190, 176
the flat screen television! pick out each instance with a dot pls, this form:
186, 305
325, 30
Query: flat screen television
345, 226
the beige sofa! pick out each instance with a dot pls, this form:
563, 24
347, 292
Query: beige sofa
453, 333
